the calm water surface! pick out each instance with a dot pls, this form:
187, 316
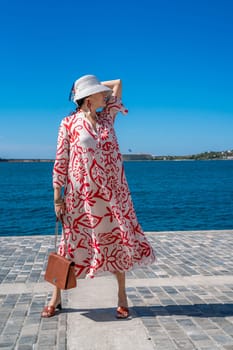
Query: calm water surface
167, 195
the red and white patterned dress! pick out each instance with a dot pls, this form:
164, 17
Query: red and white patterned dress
100, 223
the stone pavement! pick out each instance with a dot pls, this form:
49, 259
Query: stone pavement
184, 301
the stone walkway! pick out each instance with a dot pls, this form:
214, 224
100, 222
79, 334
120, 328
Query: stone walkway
184, 301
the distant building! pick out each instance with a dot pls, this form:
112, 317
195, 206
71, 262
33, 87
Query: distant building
137, 156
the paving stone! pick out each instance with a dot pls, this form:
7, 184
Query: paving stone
28, 340
47, 339
161, 344
176, 316
25, 347
223, 339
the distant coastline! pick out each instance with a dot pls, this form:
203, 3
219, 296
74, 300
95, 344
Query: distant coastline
26, 160
210, 155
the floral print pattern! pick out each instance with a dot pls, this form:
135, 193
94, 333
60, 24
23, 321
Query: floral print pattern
100, 224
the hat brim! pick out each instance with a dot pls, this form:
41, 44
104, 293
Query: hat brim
91, 91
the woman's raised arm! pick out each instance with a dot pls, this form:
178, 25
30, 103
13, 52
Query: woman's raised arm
115, 85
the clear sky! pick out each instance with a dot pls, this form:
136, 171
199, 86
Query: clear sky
175, 59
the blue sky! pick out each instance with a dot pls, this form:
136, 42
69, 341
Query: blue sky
175, 58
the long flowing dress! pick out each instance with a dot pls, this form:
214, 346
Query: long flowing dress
100, 224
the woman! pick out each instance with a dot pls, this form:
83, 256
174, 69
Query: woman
97, 213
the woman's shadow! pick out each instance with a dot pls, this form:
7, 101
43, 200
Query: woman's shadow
196, 310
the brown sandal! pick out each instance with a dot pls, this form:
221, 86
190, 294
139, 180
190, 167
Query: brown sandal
122, 312
49, 311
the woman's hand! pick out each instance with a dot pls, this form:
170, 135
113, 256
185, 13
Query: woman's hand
59, 205
59, 209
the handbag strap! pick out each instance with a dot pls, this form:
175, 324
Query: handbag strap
56, 234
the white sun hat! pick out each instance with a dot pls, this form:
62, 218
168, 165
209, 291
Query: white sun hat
86, 86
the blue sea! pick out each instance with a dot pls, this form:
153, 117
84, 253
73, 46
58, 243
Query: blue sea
167, 195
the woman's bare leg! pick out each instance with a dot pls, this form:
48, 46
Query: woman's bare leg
56, 297
122, 297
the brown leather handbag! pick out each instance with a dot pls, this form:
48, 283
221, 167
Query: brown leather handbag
60, 271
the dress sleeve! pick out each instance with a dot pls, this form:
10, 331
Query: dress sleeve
60, 168
115, 105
